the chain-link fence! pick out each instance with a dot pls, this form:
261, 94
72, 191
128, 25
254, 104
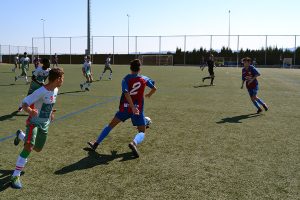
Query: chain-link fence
239, 45
10, 51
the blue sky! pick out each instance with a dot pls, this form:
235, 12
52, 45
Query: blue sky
21, 21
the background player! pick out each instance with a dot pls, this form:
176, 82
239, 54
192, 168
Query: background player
87, 73
131, 106
25, 67
16, 62
39, 77
249, 75
55, 60
210, 64
107, 67
38, 121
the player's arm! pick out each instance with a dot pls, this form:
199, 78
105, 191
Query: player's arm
31, 99
125, 91
243, 81
131, 105
152, 91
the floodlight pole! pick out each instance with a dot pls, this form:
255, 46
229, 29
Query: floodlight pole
128, 30
43, 20
88, 28
229, 31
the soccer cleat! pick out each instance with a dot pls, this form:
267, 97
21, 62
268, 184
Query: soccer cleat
81, 86
259, 111
87, 89
93, 145
16, 78
203, 80
20, 109
16, 182
266, 107
17, 140
100, 78
134, 150
110, 78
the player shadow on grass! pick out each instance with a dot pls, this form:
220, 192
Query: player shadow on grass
237, 119
93, 159
10, 116
71, 92
5, 179
198, 86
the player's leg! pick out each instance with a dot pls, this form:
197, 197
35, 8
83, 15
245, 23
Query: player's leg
41, 138
106, 130
252, 93
212, 75
20, 136
140, 122
110, 75
104, 70
261, 102
31, 132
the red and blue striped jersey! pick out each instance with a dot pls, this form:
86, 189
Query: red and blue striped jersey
249, 74
135, 85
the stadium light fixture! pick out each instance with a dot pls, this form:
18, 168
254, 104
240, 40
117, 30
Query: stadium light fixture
43, 20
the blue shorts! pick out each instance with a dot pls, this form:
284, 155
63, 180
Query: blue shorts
253, 92
137, 120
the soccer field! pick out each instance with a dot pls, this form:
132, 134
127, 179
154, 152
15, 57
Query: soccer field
205, 141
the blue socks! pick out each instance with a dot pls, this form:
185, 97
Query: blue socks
103, 134
139, 138
256, 104
260, 102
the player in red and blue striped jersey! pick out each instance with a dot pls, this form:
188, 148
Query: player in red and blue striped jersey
131, 106
249, 75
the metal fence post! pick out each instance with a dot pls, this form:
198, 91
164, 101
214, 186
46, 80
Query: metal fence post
184, 50
113, 50
237, 51
295, 50
159, 48
266, 50
70, 50
136, 46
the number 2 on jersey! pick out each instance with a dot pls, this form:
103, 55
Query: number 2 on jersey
135, 87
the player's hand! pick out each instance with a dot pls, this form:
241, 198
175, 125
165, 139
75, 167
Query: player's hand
33, 112
135, 111
148, 95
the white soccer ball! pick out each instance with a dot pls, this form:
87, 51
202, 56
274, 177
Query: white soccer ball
148, 121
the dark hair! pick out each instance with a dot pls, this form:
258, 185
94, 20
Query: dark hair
135, 65
246, 59
45, 62
88, 57
25, 53
55, 73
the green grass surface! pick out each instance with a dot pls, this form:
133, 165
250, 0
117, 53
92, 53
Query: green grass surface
203, 143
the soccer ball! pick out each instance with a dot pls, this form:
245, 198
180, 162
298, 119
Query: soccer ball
148, 121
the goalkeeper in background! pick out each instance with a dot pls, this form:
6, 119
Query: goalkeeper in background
210, 64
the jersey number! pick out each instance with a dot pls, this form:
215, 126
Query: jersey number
135, 87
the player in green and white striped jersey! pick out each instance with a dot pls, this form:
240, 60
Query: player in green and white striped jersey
38, 121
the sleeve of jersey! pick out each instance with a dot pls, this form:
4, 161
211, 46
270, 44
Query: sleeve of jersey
149, 82
255, 72
124, 86
35, 96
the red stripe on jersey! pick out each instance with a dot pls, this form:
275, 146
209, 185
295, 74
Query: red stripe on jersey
31, 127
